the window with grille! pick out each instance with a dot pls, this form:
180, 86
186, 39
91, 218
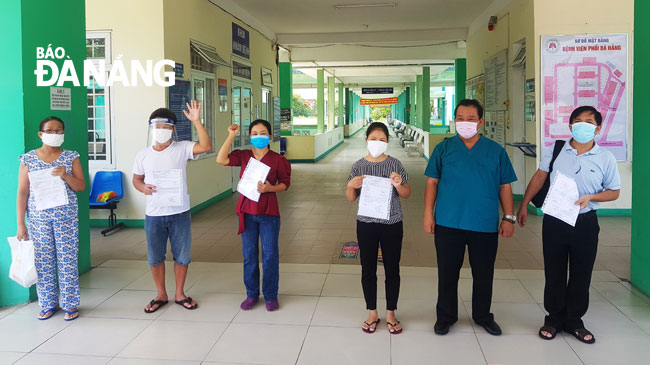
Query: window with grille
100, 146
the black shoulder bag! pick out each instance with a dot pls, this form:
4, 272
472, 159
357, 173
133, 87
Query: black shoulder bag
538, 199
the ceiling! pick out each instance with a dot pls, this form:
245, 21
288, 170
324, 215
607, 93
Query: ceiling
368, 45
320, 16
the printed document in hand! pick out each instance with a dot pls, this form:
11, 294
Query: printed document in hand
49, 191
375, 198
255, 172
169, 188
561, 198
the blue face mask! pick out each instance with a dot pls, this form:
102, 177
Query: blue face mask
583, 132
260, 141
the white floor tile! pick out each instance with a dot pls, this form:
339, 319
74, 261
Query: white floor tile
57, 359
307, 268
639, 315
125, 264
348, 269
346, 285
526, 349
612, 350
603, 276
341, 346
222, 282
23, 333
618, 294
296, 283
125, 361
212, 308
425, 347
503, 291
110, 278
129, 304
344, 312
272, 344
516, 318
294, 310
420, 314
605, 319
9, 357
146, 282
94, 337
173, 340
416, 287
5, 311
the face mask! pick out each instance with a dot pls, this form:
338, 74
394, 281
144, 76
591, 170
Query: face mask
583, 132
260, 141
376, 148
161, 135
467, 130
54, 140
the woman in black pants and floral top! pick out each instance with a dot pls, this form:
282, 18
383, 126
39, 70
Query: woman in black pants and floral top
371, 232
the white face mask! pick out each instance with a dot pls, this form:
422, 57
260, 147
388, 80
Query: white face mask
467, 130
161, 135
376, 148
54, 140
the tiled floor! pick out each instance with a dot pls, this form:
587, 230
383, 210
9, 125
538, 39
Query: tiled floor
318, 322
317, 220
321, 299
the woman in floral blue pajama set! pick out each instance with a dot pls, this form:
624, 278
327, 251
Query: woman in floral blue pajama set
54, 231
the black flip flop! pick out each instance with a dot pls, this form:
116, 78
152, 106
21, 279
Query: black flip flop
153, 302
392, 326
549, 329
580, 334
370, 325
187, 300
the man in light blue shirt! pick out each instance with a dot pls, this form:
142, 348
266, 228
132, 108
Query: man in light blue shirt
595, 172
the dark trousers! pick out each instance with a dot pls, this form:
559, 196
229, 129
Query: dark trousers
573, 248
450, 248
370, 236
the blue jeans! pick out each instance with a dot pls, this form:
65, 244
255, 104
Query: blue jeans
265, 228
177, 228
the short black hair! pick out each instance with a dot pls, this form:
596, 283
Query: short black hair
589, 109
470, 102
260, 121
163, 113
377, 125
47, 119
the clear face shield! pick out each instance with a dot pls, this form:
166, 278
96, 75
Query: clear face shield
161, 131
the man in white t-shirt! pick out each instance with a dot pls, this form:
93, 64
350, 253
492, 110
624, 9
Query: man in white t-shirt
159, 173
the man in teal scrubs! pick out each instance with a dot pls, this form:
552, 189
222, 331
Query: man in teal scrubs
468, 175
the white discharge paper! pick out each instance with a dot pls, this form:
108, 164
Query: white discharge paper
255, 172
561, 198
169, 188
49, 191
375, 198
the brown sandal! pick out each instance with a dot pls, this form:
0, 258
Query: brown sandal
391, 328
551, 330
370, 325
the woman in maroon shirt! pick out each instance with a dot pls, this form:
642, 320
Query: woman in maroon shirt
259, 221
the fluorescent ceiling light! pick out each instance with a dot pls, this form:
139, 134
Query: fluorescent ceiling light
354, 6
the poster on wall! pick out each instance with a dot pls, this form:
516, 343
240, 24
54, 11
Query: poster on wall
475, 88
587, 69
496, 81
223, 95
179, 94
276, 119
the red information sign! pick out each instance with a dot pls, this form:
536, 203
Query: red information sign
384, 101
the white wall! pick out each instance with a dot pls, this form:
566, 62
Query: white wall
325, 141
